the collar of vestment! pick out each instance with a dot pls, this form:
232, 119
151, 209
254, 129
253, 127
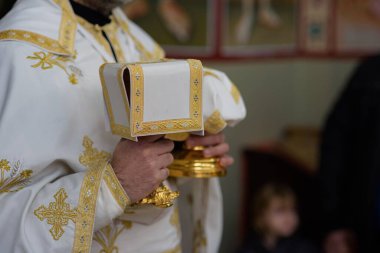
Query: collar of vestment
49, 24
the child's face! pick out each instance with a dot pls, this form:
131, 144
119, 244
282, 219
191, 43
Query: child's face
281, 218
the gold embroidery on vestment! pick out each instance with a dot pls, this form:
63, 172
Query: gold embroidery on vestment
137, 103
115, 187
174, 219
215, 123
68, 26
66, 41
235, 93
111, 30
57, 214
47, 61
96, 32
106, 237
95, 161
12, 178
39, 40
157, 54
208, 72
199, 237
177, 249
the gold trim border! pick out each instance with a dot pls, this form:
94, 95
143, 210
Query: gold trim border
68, 26
208, 72
116, 129
116, 188
215, 123
234, 91
177, 249
111, 31
67, 32
158, 52
98, 169
36, 39
194, 123
96, 32
86, 210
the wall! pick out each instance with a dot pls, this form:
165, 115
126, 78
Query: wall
276, 93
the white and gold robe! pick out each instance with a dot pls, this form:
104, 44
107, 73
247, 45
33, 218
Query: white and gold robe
57, 190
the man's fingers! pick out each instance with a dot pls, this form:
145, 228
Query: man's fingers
152, 138
163, 174
208, 140
226, 161
163, 146
219, 150
164, 160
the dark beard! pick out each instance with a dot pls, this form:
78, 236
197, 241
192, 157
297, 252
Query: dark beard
105, 6
114, 3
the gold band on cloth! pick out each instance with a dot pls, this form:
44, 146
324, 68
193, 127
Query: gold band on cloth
158, 52
111, 32
68, 26
177, 249
67, 31
123, 91
96, 162
137, 97
210, 73
86, 210
96, 32
116, 128
215, 123
194, 123
235, 93
116, 188
36, 39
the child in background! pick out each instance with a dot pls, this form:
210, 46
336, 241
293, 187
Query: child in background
275, 221
340, 241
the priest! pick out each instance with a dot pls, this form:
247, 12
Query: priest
66, 184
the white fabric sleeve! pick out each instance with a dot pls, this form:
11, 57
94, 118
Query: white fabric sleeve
55, 189
201, 202
223, 104
201, 215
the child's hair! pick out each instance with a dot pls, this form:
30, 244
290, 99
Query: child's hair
264, 198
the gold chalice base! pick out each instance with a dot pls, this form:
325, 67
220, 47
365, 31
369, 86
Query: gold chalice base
192, 163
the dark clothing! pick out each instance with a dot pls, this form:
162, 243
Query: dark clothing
89, 14
292, 244
94, 18
350, 158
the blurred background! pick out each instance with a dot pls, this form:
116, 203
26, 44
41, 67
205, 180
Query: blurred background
306, 177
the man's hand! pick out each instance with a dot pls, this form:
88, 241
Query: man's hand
142, 166
216, 147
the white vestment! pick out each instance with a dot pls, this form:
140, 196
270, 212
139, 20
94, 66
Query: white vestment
57, 191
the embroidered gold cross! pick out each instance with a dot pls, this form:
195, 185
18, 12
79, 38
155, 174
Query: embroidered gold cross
47, 61
57, 214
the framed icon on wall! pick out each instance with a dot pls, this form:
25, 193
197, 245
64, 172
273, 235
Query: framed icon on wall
185, 28
358, 26
260, 27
